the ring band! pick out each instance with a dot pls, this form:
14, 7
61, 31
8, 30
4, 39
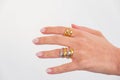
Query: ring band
61, 53
65, 53
68, 54
71, 51
68, 32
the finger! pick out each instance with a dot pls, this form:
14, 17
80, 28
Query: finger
49, 54
63, 68
92, 31
56, 40
59, 30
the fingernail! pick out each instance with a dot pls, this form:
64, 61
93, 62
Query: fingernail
39, 54
36, 40
42, 30
49, 70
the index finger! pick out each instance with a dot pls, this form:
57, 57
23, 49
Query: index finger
59, 30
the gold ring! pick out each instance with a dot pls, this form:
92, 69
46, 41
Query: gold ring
68, 32
66, 52
71, 51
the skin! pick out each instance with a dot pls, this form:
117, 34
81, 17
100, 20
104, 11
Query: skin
92, 51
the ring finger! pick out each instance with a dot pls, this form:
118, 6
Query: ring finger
49, 54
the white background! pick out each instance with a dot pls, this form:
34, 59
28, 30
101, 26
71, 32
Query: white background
21, 20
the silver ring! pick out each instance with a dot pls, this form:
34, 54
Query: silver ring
68, 54
61, 53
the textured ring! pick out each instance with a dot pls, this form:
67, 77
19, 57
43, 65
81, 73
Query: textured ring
68, 32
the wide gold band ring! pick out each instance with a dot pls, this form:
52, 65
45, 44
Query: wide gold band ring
68, 32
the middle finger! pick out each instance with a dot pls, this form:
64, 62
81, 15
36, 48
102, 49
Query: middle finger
49, 54
57, 40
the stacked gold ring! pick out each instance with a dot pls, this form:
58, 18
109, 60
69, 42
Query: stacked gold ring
68, 32
66, 53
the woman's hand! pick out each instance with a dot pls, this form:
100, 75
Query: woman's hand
92, 52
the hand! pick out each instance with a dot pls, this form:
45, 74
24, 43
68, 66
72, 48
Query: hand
92, 52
